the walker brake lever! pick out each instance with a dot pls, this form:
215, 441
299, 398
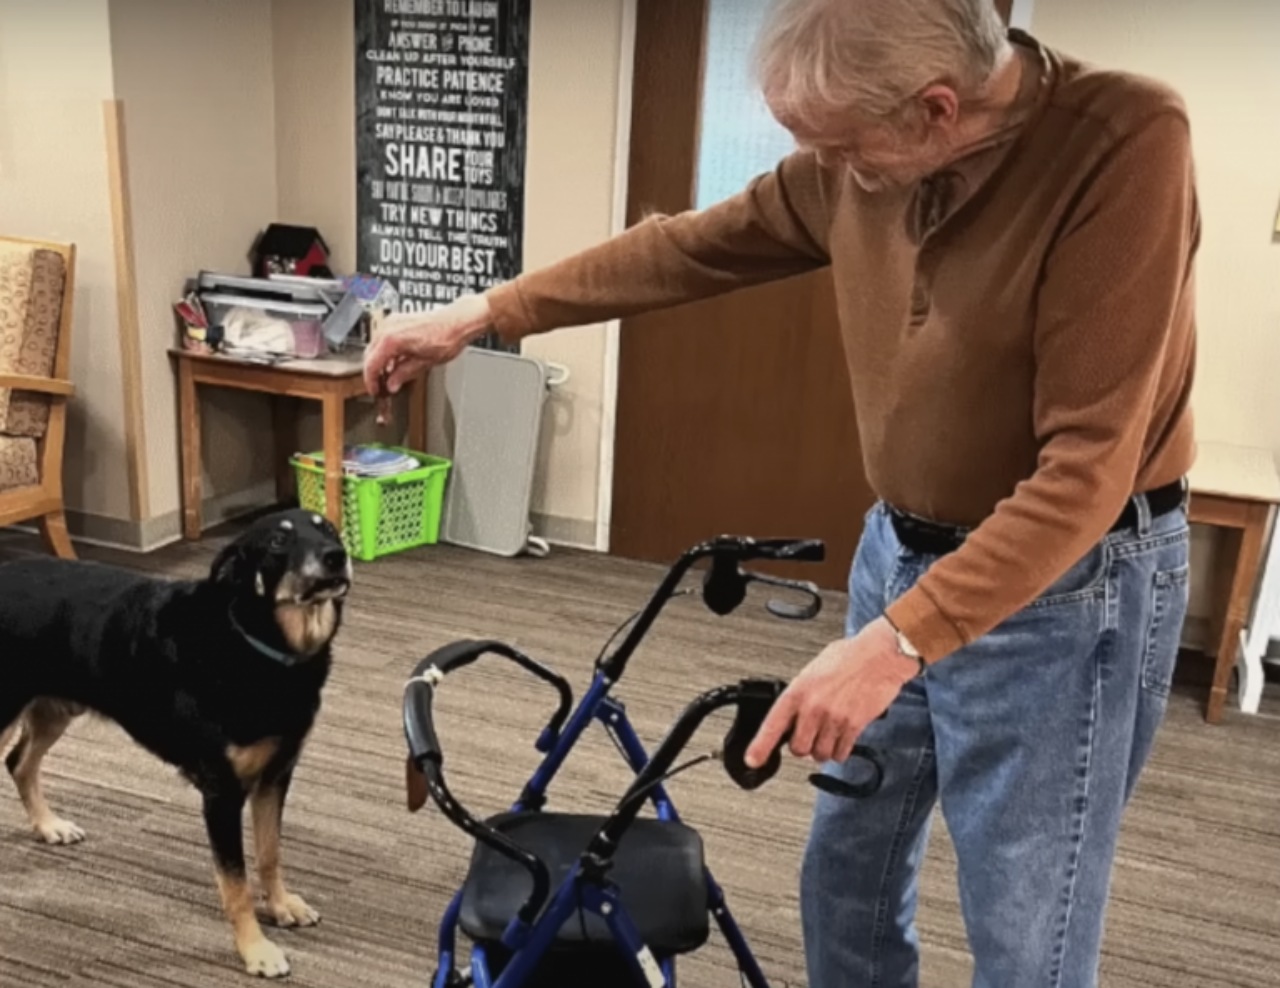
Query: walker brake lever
724, 587
757, 697
806, 611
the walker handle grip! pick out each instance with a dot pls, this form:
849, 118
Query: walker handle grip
419, 724
425, 775
460, 654
456, 655
757, 698
753, 698
785, 550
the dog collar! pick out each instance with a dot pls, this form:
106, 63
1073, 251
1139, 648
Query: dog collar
275, 654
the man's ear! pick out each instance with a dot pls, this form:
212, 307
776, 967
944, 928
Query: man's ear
939, 105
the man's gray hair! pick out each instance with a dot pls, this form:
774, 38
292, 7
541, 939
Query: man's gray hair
815, 57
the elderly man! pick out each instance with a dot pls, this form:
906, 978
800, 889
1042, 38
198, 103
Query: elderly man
1012, 237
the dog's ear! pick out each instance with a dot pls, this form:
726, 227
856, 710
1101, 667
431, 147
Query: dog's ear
228, 565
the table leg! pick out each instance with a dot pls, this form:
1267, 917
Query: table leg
334, 414
284, 422
1242, 553
417, 398
192, 465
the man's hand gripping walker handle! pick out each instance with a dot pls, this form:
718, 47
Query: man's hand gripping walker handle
758, 698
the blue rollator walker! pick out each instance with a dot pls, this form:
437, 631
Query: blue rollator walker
561, 899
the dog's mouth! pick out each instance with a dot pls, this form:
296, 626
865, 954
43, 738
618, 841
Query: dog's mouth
321, 589
315, 581
297, 591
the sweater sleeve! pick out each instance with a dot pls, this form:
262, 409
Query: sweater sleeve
1114, 290
774, 228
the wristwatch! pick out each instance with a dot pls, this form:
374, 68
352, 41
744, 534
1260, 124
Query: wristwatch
909, 650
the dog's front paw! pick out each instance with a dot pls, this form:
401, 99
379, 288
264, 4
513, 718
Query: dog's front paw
264, 959
58, 831
290, 910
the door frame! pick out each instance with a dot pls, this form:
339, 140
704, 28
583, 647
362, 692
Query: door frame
612, 329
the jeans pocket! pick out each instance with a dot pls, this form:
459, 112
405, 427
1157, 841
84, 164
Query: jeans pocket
1169, 597
1085, 580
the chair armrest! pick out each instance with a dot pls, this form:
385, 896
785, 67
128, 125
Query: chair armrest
33, 382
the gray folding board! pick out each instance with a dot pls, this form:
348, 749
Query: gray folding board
496, 401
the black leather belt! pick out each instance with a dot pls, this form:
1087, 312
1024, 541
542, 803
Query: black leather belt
934, 539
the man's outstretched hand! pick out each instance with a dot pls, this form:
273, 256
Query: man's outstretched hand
410, 343
851, 683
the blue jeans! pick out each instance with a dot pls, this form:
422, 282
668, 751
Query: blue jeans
1032, 739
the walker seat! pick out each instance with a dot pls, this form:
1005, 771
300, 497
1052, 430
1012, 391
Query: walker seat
560, 899
659, 870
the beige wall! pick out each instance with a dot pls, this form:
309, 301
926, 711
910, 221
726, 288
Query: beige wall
313, 50
55, 72
573, 128
574, 54
1222, 57
202, 169
313, 60
265, 131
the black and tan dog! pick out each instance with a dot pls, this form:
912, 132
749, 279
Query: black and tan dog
219, 677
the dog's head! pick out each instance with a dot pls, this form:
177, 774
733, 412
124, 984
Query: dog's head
289, 568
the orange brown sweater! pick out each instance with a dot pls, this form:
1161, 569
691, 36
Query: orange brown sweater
1019, 329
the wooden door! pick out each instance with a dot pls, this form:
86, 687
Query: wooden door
734, 414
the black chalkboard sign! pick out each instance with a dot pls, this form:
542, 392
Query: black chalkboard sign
441, 108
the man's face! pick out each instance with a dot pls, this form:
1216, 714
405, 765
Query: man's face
880, 154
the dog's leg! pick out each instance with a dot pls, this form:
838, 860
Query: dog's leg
6, 732
267, 803
44, 722
11, 712
223, 816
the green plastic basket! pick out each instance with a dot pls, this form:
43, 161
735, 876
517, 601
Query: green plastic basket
382, 515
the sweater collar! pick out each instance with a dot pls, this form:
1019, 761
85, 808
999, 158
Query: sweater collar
941, 195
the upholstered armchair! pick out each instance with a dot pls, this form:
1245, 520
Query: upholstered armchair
36, 285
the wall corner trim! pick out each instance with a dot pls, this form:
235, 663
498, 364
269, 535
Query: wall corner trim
127, 309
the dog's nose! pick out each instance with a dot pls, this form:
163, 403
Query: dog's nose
335, 559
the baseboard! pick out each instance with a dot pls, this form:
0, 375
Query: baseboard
154, 533
573, 533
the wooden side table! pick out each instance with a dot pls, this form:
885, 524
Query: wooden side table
1236, 489
330, 381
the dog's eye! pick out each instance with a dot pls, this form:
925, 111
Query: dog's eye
278, 541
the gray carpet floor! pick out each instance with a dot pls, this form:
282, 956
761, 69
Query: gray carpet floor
1197, 887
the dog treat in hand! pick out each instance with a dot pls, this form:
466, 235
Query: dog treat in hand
384, 399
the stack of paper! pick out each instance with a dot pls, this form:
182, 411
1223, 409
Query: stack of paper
376, 461
371, 461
